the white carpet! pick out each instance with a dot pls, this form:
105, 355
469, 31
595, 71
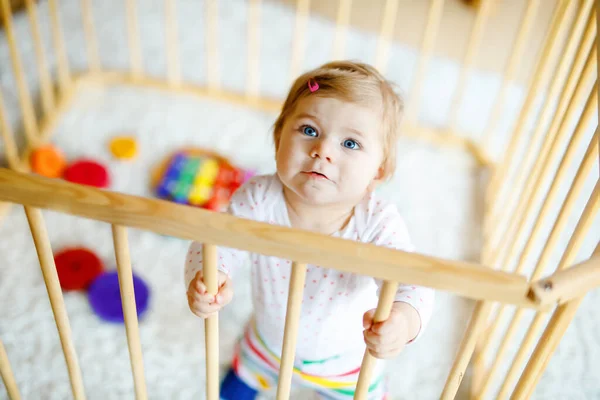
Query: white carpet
435, 189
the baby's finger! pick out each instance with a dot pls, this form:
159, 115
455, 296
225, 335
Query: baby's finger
201, 298
200, 286
391, 336
368, 319
383, 327
207, 307
374, 348
225, 293
222, 278
387, 350
375, 340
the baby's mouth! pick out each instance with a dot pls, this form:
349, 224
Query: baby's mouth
317, 175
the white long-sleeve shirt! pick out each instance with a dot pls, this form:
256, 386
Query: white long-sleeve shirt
334, 302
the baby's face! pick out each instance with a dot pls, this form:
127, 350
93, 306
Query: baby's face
330, 150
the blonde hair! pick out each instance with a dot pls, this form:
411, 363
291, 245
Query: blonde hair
355, 82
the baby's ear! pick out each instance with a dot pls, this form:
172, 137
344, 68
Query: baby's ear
378, 179
380, 176
380, 173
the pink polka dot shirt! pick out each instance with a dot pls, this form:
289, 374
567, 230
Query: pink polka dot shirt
334, 302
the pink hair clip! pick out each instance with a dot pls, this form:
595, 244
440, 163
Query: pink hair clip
313, 86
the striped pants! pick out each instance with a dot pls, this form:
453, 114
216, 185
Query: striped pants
258, 366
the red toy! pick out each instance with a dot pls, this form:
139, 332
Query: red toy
77, 268
88, 172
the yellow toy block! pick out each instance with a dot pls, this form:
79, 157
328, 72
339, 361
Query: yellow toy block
199, 194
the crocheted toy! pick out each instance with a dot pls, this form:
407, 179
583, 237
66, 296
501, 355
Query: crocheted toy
198, 178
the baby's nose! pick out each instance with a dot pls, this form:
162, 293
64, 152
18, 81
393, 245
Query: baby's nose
322, 150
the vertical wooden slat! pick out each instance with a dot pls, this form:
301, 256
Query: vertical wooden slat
212, 44
581, 232
538, 80
545, 348
172, 43
90, 35
252, 89
548, 109
589, 160
44, 252
298, 44
341, 25
133, 39
568, 102
64, 73
502, 256
8, 138
548, 152
290, 334
514, 61
564, 164
7, 375
46, 91
211, 324
389, 17
565, 313
566, 66
469, 59
49, 124
429, 37
29, 121
10, 149
476, 325
530, 340
384, 307
125, 274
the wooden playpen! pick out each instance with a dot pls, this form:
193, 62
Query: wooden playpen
565, 72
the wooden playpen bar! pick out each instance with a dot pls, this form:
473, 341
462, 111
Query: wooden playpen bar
512, 192
215, 229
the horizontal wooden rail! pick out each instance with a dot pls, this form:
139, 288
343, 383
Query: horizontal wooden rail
462, 278
437, 136
568, 284
7, 375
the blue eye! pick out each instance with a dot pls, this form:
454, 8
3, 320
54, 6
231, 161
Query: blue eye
309, 131
351, 144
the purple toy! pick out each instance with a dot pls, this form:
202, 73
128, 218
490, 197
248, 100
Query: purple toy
105, 297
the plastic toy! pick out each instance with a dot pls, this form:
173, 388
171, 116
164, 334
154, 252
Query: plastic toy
123, 147
77, 268
199, 178
88, 172
48, 161
104, 295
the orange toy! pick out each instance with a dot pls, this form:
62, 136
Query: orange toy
48, 161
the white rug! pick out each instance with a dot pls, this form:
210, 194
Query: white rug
435, 189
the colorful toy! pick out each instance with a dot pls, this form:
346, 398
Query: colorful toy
104, 295
48, 161
88, 172
198, 178
77, 268
123, 147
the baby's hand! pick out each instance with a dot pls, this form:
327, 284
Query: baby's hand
204, 304
386, 339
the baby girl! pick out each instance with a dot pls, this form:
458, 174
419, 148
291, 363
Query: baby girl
335, 141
